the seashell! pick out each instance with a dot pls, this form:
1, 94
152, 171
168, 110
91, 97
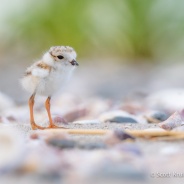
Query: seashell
117, 117
12, 147
82, 122
117, 136
121, 135
57, 119
175, 120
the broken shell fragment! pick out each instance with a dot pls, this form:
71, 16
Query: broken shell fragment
59, 119
117, 136
175, 120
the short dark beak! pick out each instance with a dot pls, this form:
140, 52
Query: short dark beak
73, 62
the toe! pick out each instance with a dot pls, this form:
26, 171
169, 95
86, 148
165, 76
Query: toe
54, 126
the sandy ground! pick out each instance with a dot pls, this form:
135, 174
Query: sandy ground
162, 159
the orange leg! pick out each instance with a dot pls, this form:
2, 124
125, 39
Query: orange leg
47, 106
31, 104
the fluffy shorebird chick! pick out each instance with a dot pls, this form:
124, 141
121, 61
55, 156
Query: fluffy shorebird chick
47, 76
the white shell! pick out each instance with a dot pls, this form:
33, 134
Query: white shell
83, 122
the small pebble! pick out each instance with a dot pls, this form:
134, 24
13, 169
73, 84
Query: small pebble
117, 117
92, 145
161, 116
63, 144
156, 116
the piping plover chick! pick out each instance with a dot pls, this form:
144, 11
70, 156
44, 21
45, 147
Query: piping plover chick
47, 76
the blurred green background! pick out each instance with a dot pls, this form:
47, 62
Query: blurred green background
137, 30
147, 34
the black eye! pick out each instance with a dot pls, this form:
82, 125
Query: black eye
60, 57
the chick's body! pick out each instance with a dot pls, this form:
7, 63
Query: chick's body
47, 76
